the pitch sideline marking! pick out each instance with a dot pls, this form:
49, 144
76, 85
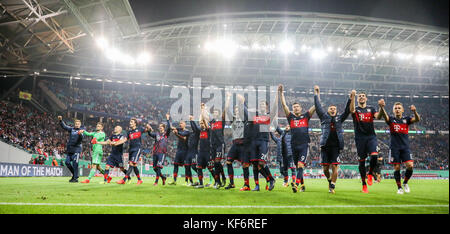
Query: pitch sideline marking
219, 206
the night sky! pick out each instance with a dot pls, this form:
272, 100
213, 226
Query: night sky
428, 12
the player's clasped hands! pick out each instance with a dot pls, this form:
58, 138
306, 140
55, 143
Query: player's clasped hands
381, 103
316, 89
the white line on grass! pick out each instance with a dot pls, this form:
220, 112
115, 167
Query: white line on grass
223, 207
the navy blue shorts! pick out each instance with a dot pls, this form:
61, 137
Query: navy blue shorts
366, 146
114, 160
236, 152
158, 160
398, 156
330, 155
259, 151
288, 162
203, 159
180, 158
134, 156
300, 153
218, 152
191, 158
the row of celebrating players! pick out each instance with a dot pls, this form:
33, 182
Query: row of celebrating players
203, 147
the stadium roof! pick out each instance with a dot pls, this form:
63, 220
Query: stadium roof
337, 52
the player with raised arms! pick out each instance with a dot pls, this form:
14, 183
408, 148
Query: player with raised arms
400, 151
239, 148
365, 137
160, 148
332, 138
299, 124
192, 155
74, 147
259, 148
182, 148
217, 124
204, 151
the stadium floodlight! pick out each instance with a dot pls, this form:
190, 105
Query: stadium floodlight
384, 53
303, 48
318, 54
363, 52
256, 46
330, 49
226, 47
101, 42
143, 58
127, 60
403, 56
112, 54
286, 47
419, 58
208, 46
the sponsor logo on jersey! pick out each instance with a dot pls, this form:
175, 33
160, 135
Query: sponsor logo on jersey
203, 135
399, 128
365, 117
299, 123
216, 125
261, 120
134, 135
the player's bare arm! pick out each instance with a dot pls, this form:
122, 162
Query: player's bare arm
227, 104
283, 100
317, 91
378, 115
203, 113
274, 113
352, 103
416, 117
382, 112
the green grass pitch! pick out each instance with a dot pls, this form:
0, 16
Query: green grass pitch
55, 195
